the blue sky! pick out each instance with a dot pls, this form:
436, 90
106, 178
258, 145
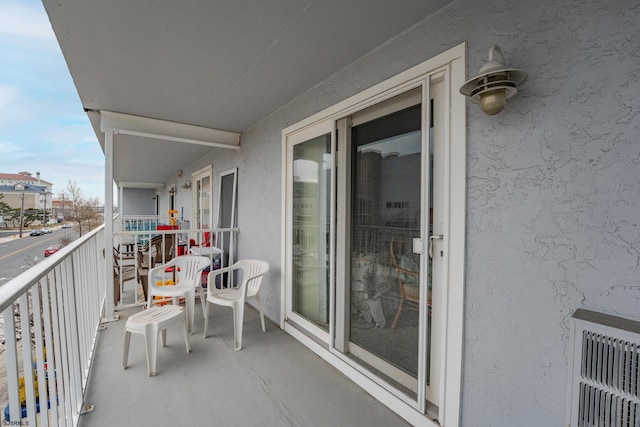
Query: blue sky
42, 124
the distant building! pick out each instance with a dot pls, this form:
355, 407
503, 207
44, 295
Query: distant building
24, 178
22, 189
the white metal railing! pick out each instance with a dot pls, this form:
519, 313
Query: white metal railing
51, 316
145, 222
139, 222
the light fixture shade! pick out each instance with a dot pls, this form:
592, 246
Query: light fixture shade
494, 84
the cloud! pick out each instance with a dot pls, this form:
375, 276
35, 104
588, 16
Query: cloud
13, 108
10, 150
20, 20
8, 95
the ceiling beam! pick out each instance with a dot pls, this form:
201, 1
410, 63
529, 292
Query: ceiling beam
130, 184
128, 124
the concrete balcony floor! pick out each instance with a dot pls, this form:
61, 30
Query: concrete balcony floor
273, 381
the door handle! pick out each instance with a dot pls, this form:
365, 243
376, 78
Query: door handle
431, 239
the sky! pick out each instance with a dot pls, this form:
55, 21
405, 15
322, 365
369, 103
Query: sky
43, 127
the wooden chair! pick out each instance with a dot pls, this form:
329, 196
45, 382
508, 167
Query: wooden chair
409, 294
164, 248
128, 272
144, 264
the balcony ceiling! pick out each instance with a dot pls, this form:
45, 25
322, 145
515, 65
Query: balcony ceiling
222, 65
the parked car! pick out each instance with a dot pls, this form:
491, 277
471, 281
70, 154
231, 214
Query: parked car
47, 230
66, 225
52, 250
36, 232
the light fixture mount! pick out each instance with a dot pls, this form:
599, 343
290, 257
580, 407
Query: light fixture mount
494, 84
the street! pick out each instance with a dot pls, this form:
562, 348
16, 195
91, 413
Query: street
16, 255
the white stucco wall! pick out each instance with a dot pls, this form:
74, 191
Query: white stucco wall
553, 190
138, 201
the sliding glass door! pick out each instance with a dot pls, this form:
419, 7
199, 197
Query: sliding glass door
365, 220
384, 282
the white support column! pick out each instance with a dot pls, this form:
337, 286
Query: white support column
120, 198
108, 225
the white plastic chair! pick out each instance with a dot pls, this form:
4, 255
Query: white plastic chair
251, 271
185, 272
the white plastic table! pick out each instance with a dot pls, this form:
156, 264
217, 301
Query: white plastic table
209, 251
151, 323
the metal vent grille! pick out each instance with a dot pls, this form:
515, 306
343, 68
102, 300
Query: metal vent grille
605, 385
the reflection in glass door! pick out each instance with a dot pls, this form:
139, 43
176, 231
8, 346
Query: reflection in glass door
393, 209
386, 159
311, 185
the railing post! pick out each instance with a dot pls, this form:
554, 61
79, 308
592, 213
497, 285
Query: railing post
11, 353
75, 361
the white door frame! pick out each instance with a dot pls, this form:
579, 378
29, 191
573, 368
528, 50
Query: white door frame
198, 176
452, 64
291, 140
421, 95
234, 196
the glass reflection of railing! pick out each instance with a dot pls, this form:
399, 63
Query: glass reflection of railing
376, 240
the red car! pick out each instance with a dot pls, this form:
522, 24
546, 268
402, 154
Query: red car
51, 250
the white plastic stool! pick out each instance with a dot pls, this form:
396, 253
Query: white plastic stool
150, 323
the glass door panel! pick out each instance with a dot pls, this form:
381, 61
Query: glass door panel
227, 215
203, 200
201, 196
311, 229
386, 165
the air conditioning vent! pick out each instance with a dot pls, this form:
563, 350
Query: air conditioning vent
604, 371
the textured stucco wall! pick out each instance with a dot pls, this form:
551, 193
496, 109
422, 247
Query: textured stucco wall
553, 187
138, 201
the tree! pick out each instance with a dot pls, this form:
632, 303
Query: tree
5, 210
84, 211
29, 216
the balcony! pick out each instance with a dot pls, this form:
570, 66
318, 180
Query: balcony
273, 380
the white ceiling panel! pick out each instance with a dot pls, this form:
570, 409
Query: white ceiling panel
223, 64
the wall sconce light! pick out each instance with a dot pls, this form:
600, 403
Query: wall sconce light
186, 186
494, 84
